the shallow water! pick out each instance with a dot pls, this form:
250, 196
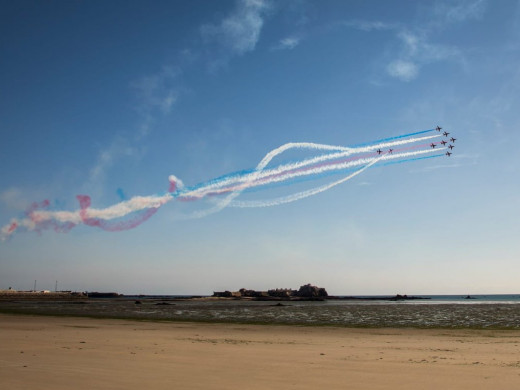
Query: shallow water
424, 314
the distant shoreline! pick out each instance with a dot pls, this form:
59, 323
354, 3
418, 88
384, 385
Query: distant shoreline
40, 295
67, 295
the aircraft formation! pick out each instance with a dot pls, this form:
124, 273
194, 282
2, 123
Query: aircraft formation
444, 142
445, 134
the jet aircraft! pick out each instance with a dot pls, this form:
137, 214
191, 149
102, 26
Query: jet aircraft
379, 151
453, 139
443, 142
448, 154
390, 151
438, 128
445, 134
451, 146
433, 145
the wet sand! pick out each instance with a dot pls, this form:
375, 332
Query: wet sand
84, 353
334, 313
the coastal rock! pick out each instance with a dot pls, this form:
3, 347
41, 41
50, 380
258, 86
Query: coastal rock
281, 292
310, 291
307, 291
222, 294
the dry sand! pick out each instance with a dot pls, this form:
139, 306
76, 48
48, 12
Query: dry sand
83, 353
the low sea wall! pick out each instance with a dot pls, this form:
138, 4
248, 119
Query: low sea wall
10, 295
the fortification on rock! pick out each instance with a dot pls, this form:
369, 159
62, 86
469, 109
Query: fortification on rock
306, 291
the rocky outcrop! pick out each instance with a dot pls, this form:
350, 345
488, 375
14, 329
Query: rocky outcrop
310, 291
223, 294
252, 293
307, 291
281, 293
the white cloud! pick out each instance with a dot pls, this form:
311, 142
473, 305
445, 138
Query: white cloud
156, 94
158, 91
411, 41
367, 25
435, 167
462, 10
288, 43
14, 198
416, 47
119, 148
433, 53
403, 70
168, 101
240, 31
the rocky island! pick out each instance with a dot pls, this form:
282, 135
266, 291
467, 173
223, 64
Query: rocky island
305, 292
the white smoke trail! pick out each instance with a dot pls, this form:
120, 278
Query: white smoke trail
317, 190
8, 229
118, 210
313, 171
260, 172
40, 216
260, 167
132, 205
340, 166
303, 194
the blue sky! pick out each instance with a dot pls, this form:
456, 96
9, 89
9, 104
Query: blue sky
110, 98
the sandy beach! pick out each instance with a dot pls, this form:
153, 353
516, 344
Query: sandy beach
83, 353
